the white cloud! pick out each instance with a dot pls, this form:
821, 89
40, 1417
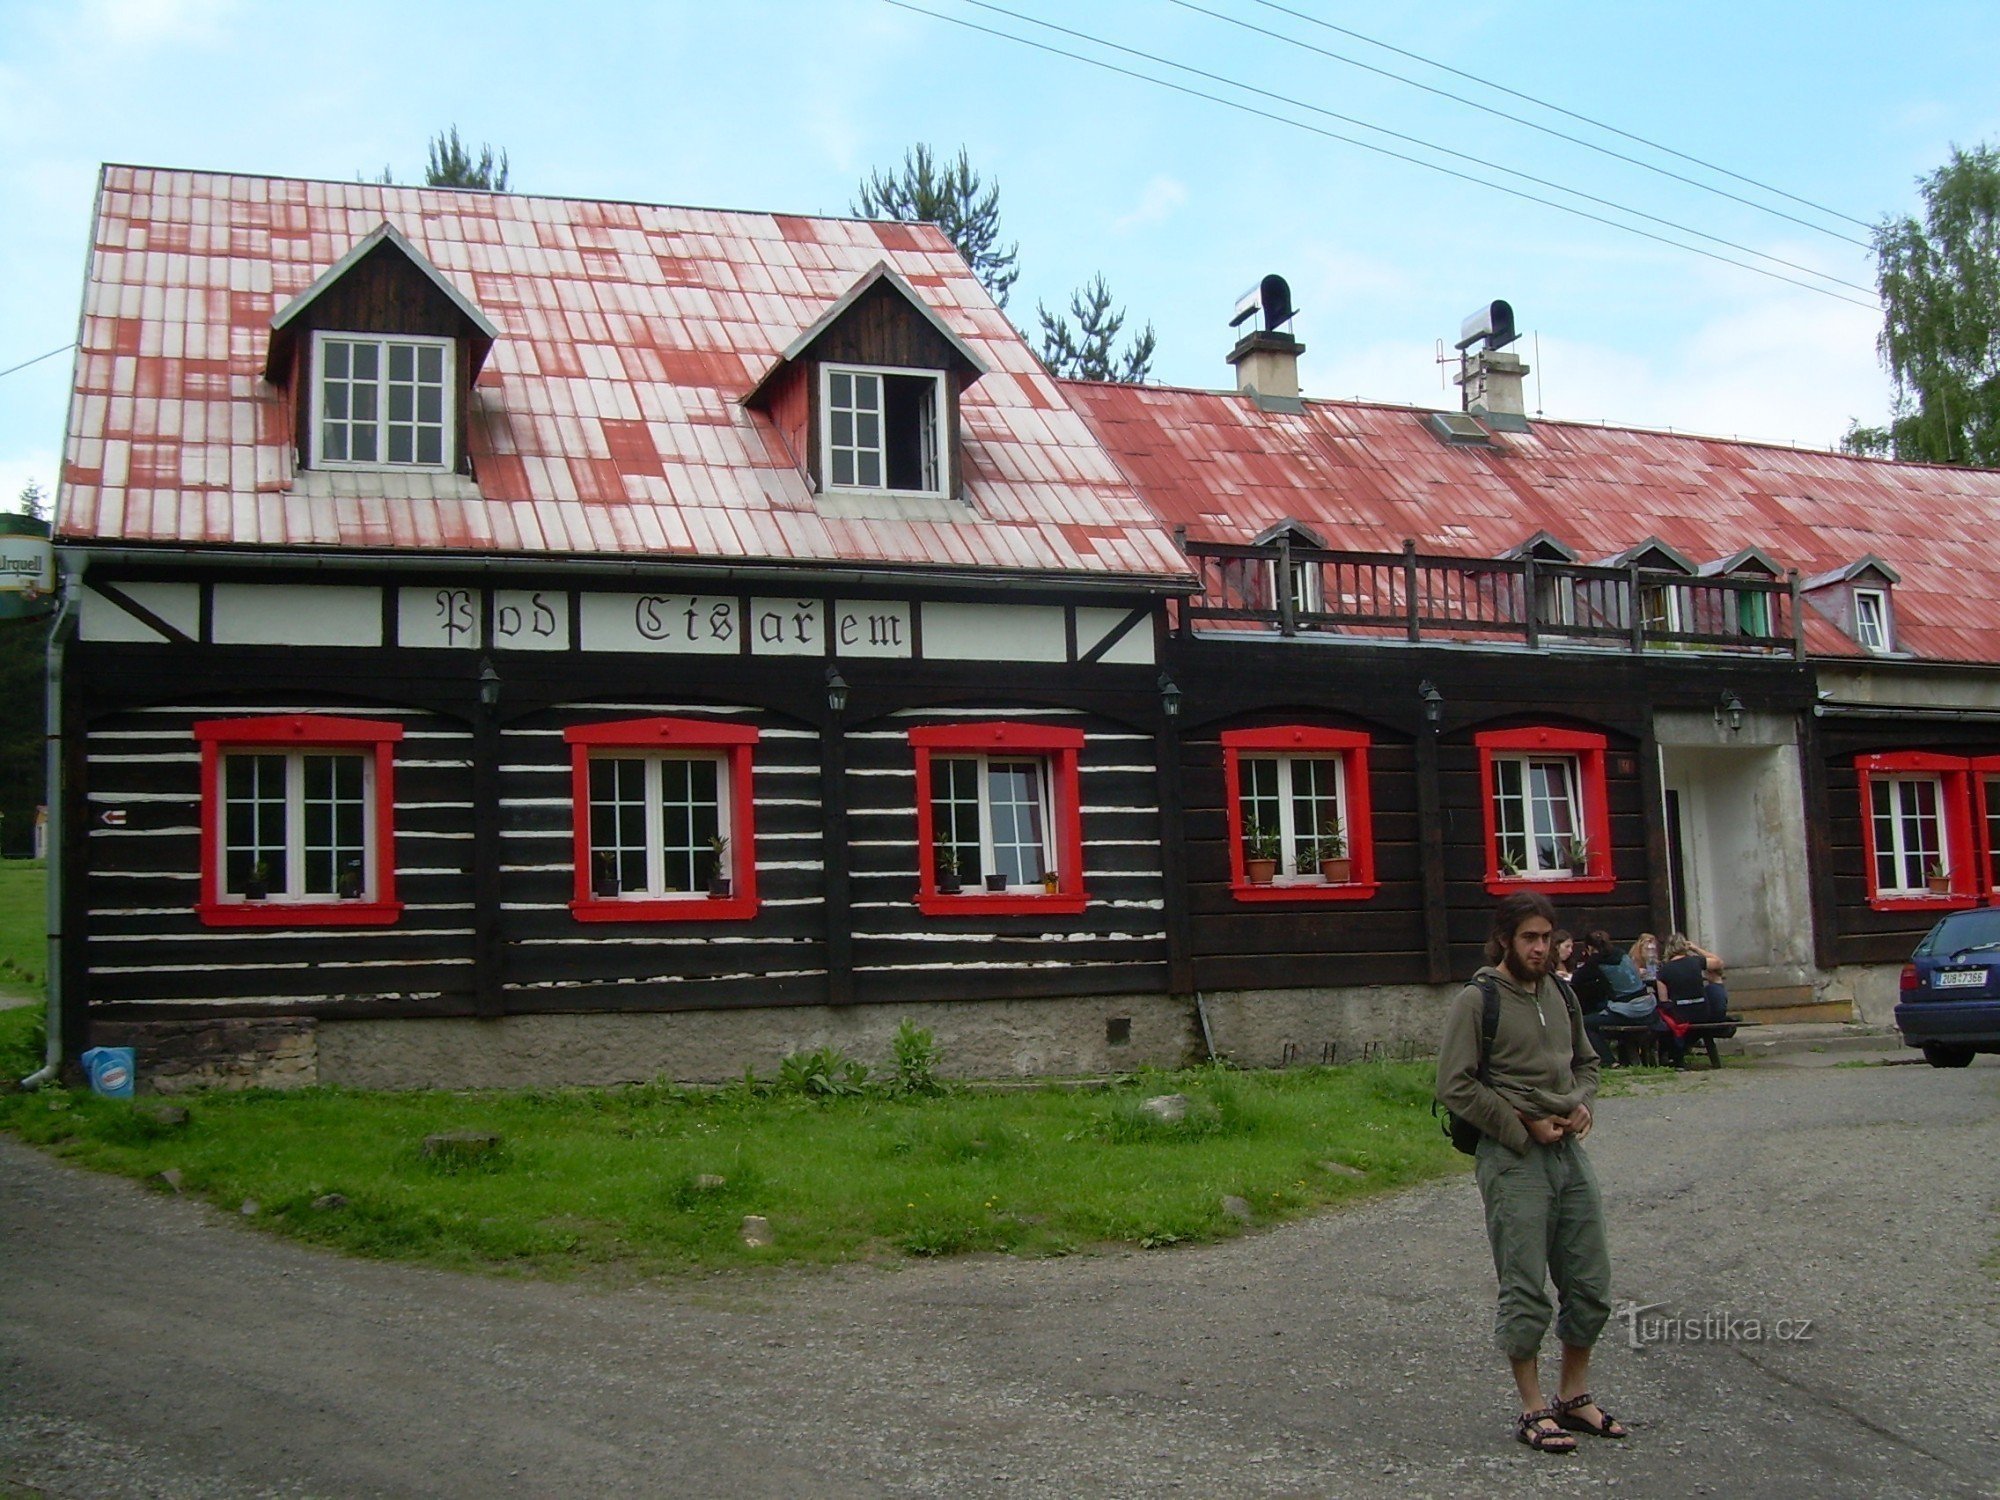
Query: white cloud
1157, 203
151, 23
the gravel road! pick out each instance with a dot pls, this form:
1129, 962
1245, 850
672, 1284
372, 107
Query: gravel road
149, 1347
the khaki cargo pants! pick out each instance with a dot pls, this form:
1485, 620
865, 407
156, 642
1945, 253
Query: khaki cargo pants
1546, 1222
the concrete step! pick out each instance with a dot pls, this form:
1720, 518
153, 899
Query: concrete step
1788, 1004
1782, 1040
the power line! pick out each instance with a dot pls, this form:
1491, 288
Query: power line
36, 360
1558, 109
1335, 135
1413, 140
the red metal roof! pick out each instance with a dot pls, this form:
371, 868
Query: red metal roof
607, 419
1367, 476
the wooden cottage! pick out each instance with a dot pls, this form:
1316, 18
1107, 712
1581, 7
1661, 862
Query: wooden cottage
513, 639
525, 639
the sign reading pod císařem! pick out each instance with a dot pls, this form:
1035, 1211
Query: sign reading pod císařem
27, 568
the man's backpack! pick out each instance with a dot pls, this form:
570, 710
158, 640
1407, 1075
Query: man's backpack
1462, 1133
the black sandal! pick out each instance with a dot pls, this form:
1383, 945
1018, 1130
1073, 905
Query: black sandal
1529, 1430
1564, 1413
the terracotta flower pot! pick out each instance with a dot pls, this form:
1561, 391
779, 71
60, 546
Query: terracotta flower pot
1261, 871
1337, 871
1940, 885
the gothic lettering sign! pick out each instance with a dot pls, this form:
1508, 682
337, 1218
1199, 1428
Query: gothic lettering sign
707, 625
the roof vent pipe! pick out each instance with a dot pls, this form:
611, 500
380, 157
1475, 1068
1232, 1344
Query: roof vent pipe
1267, 357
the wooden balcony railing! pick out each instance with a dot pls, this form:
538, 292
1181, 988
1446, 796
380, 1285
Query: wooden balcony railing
1419, 597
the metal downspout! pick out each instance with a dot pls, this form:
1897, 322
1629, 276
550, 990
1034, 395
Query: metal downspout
64, 623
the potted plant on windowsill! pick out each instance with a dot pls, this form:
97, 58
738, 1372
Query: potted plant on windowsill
1576, 855
1937, 878
947, 873
1330, 853
718, 870
604, 875
348, 887
1510, 865
258, 886
996, 882
1051, 882
1260, 854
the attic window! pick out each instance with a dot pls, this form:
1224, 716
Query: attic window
1871, 619
881, 429
382, 402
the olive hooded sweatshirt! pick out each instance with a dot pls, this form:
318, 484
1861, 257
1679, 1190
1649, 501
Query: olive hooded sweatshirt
1541, 1064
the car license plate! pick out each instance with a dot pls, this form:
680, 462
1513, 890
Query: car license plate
1959, 979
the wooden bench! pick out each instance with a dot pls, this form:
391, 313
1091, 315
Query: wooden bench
1636, 1041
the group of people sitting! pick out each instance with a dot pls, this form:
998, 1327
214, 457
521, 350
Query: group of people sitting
1666, 990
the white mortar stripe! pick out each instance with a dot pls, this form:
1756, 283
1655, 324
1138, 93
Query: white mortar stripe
1052, 963
258, 935
664, 979
353, 963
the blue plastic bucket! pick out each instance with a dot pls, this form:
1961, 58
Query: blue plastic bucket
110, 1071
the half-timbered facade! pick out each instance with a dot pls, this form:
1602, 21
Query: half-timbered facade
513, 639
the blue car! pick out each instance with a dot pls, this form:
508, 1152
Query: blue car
1950, 1000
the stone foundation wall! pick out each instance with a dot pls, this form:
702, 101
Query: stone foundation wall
173, 1057
977, 1039
1870, 988
1291, 1028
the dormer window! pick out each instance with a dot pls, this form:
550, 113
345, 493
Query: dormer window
866, 400
378, 357
1871, 619
882, 428
382, 402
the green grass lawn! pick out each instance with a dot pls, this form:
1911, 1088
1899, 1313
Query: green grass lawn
609, 1181
24, 947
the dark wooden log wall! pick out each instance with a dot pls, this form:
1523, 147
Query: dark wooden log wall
1388, 938
1428, 920
1859, 934
141, 952
144, 947
552, 962
1116, 945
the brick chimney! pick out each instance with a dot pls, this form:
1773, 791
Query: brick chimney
1491, 381
1267, 357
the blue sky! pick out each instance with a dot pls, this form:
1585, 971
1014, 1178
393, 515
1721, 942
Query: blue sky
784, 104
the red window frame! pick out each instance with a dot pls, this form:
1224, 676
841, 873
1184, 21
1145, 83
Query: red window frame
1591, 790
1955, 804
1306, 741
735, 742
1060, 747
1981, 767
288, 732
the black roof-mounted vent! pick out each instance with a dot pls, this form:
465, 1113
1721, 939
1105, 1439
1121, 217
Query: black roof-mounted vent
1458, 429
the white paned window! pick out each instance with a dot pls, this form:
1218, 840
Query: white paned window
655, 821
1536, 818
992, 815
881, 429
1659, 608
1871, 619
382, 402
1302, 585
296, 824
1296, 800
1909, 832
